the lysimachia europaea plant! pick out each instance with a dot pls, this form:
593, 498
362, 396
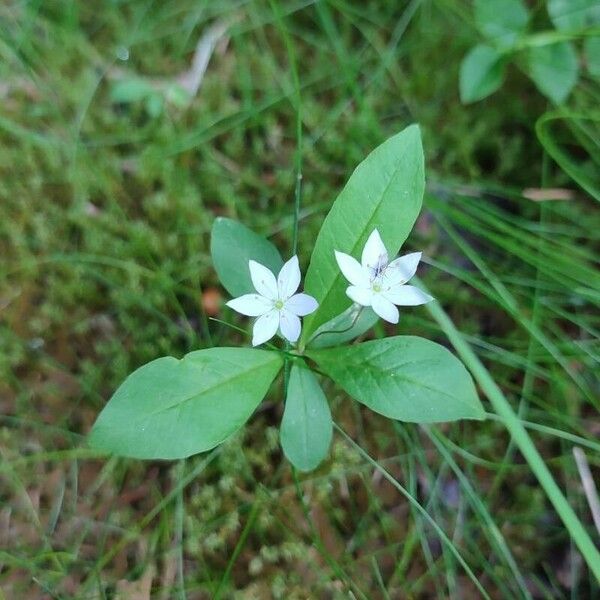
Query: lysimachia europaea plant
171, 408
550, 58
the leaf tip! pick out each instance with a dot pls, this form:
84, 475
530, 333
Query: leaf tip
414, 130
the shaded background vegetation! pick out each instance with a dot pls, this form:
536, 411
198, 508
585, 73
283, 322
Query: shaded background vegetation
105, 214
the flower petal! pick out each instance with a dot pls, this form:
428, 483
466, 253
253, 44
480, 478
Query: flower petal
251, 305
289, 324
402, 269
288, 279
263, 280
407, 295
360, 295
301, 304
374, 254
385, 309
265, 327
352, 270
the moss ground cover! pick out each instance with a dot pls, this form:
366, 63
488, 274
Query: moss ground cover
110, 182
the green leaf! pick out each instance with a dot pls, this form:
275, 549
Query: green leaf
354, 321
554, 70
501, 21
571, 15
384, 192
406, 378
306, 427
178, 96
591, 48
130, 90
154, 105
173, 408
481, 73
232, 245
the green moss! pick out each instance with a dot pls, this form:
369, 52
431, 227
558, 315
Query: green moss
105, 215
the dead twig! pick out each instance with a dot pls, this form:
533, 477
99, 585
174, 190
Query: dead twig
589, 487
191, 79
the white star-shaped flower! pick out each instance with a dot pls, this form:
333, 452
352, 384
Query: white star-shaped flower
380, 284
276, 304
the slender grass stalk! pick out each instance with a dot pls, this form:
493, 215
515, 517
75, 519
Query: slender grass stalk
415, 504
318, 542
511, 305
297, 156
179, 518
297, 203
521, 437
256, 506
379, 579
297, 104
131, 534
565, 435
491, 529
295, 225
529, 377
417, 467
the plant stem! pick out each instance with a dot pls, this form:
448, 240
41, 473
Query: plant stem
297, 103
179, 519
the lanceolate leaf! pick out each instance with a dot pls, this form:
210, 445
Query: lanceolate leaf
306, 427
354, 321
571, 15
554, 69
232, 245
173, 408
384, 192
481, 73
501, 21
131, 90
591, 46
406, 378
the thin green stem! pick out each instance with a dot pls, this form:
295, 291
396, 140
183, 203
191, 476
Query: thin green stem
230, 325
297, 103
130, 534
415, 504
565, 435
491, 531
285, 351
552, 36
529, 377
179, 519
316, 540
256, 506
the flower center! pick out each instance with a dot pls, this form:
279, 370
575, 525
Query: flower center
376, 287
278, 304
